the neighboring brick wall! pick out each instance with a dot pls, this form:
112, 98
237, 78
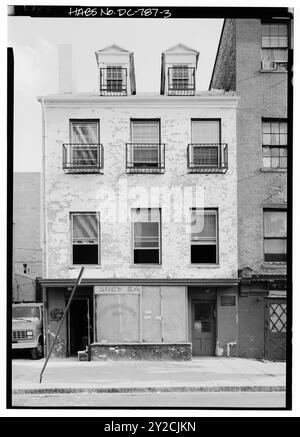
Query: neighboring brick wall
224, 75
262, 95
27, 239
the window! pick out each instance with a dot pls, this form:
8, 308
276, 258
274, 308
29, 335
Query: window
204, 224
274, 140
205, 140
275, 228
84, 136
114, 80
274, 46
146, 235
145, 137
85, 238
180, 77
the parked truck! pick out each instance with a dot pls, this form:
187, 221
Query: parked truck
27, 328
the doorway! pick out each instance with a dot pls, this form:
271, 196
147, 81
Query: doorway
275, 329
203, 327
80, 331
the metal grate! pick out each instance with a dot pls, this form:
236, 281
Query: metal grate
18, 335
207, 158
278, 317
228, 301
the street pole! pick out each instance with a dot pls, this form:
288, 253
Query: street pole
62, 319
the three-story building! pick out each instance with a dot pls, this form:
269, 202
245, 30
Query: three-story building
141, 189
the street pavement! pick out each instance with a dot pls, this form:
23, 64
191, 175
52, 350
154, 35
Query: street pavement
154, 400
199, 374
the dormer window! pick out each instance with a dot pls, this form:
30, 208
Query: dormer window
178, 70
181, 79
113, 80
116, 67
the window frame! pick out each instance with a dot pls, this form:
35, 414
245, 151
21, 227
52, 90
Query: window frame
218, 119
216, 213
84, 120
159, 240
275, 146
71, 215
115, 81
284, 48
270, 209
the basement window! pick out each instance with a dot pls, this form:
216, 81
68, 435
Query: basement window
85, 238
146, 235
204, 247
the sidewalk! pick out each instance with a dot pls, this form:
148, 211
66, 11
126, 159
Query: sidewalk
200, 374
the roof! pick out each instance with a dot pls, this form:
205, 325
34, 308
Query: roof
179, 47
112, 48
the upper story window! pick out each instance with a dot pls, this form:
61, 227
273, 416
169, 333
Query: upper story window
275, 235
113, 80
206, 153
146, 235
181, 80
274, 46
85, 238
145, 153
84, 152
204, 236
274, 142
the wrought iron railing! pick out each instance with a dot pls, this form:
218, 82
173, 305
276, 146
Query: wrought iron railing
113, 81
145, 158
181, 81
207, 158
83, 158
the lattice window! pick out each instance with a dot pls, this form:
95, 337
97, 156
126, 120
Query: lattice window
277, 317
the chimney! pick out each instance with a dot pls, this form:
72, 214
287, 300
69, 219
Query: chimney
65, 68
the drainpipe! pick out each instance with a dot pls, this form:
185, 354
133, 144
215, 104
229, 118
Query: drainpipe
43, 192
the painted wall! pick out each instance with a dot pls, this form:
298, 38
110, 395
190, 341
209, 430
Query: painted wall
66, 192
55, 306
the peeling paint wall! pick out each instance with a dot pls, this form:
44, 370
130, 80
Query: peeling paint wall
227, 343
55, 304
94, 192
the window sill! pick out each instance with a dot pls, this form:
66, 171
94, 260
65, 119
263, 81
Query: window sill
273, 71
274, 265
89, 266
273, 170
156, 266
204, 266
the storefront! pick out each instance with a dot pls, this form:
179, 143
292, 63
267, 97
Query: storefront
162, 320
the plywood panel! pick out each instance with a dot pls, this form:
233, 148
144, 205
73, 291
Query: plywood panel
174, 312
118, 317
151, 314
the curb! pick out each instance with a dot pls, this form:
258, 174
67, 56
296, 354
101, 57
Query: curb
225, 388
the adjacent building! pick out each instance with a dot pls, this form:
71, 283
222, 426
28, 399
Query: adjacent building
141, 189
253, 59
27, 251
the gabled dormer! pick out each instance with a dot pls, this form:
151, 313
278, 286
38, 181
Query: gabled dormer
178, 71
116, 71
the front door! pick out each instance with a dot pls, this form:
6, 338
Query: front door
203, 327
79, 325
275, 329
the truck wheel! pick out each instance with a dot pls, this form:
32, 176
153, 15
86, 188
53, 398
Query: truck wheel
37, 352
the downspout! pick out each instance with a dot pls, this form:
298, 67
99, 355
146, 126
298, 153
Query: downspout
44, 203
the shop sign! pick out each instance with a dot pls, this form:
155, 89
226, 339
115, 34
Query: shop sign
115, 289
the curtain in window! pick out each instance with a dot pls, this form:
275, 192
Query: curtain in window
84, 132
205, 131
203, 226
144, 132
146, 227
85, 229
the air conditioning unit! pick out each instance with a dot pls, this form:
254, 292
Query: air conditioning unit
268, 65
